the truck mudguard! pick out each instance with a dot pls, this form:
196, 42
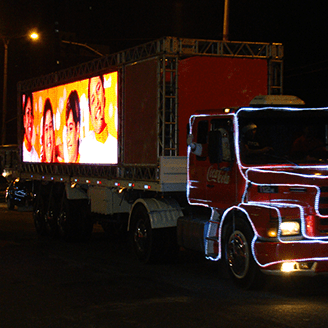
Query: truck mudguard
163, 213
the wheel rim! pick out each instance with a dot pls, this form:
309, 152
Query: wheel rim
62, 222
141, 237
51, 223
238, 254
37, 218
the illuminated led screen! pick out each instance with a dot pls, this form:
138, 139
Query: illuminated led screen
72, 123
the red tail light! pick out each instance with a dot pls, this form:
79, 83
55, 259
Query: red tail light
310, 225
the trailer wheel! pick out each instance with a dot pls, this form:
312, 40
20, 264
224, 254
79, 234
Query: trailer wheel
64, 220
239, 259
141, 235
38, 215
50, 218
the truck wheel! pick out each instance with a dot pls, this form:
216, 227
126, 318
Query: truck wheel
64, 220
141, 235
152, 245
50, 219
239, 259
38, 216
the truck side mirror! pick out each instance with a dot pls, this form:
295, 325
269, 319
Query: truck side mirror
196, 148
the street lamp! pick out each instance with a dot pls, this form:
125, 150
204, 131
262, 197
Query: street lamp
83, 45
33, 36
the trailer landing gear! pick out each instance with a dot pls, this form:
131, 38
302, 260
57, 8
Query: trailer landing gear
73, 221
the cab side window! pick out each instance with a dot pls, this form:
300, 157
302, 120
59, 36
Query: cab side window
220, 141
202, 137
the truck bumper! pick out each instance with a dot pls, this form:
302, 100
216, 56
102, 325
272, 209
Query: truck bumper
302, 257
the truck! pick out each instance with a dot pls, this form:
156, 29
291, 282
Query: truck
151, 140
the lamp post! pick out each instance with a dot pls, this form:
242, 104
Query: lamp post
33, 36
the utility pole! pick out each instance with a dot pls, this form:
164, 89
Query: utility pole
4, 99
226, 21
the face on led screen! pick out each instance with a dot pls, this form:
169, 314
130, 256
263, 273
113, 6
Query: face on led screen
72, 123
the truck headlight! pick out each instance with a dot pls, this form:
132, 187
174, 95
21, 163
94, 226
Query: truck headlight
290, 228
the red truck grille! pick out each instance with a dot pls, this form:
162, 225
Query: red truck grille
323, 203
323, 210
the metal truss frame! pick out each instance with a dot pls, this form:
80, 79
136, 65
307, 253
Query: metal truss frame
128, 172
168, 45
167, 106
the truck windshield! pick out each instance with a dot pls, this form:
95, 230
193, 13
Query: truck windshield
281, 136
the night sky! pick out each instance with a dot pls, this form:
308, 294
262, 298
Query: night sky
111, 26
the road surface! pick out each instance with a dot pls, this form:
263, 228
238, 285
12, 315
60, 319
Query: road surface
51, 283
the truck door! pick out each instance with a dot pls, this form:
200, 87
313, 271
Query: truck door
221, 167
198, 162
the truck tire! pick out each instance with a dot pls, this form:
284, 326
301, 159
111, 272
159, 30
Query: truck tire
50, 218
65, 219
238, 255
38, 215
152, 245
142, 236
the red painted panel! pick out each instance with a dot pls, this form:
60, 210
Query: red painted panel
140, 113
217, 82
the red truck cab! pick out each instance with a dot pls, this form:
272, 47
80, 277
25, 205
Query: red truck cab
263, 173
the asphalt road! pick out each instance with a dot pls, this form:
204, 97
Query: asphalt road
50, 283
